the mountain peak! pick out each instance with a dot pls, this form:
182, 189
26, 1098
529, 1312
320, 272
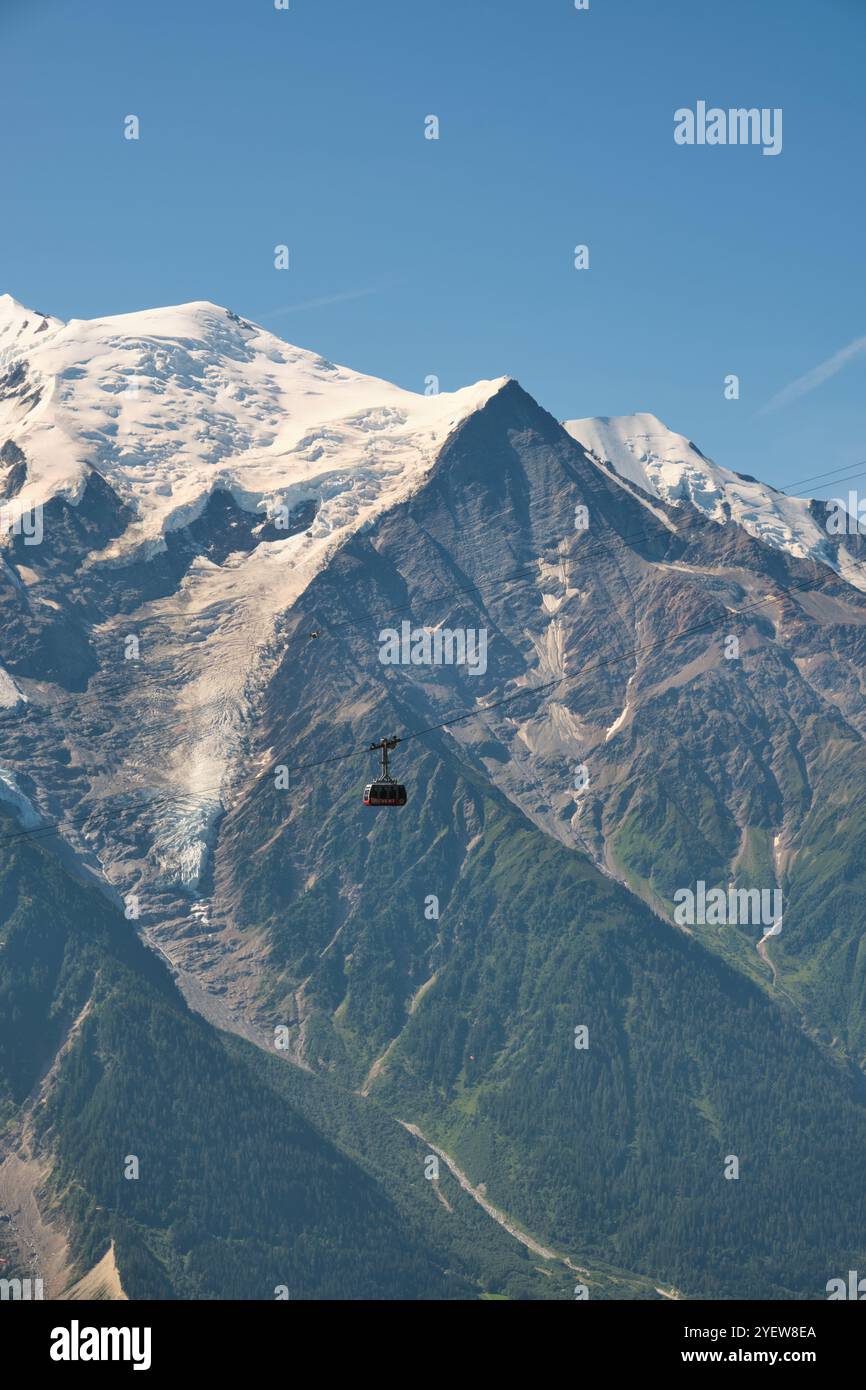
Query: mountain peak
642, 451
10, 305
638, 446
169, 404
20, 325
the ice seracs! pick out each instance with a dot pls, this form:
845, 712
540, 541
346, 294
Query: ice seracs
644, 453
170, 406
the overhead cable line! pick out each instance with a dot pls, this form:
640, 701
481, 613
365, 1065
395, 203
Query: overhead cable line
460, 717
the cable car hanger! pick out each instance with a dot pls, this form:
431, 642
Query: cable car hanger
385, 791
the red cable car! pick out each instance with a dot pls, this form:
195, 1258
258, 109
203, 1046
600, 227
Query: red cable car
384, 791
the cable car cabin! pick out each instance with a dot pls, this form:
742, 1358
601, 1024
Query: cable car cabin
384, 793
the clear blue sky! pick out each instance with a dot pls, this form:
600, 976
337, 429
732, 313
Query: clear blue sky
411, 256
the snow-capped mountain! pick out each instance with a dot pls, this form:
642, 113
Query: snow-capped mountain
213, 495
149, 424
170, 404
644, 453
229, 525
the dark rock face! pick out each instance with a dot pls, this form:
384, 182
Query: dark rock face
692, 762
441, 957
16, 469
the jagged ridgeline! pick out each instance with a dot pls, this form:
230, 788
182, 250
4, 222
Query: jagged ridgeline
248, 559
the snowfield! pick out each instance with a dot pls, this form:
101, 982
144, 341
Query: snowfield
170, 405
642, 451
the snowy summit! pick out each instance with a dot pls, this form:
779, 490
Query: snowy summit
641, 451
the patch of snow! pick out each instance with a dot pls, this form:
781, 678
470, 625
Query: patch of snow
773, 930
623, 716
11, 793
10, 695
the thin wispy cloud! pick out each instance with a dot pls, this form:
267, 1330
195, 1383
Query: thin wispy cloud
810, 381
320, 303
